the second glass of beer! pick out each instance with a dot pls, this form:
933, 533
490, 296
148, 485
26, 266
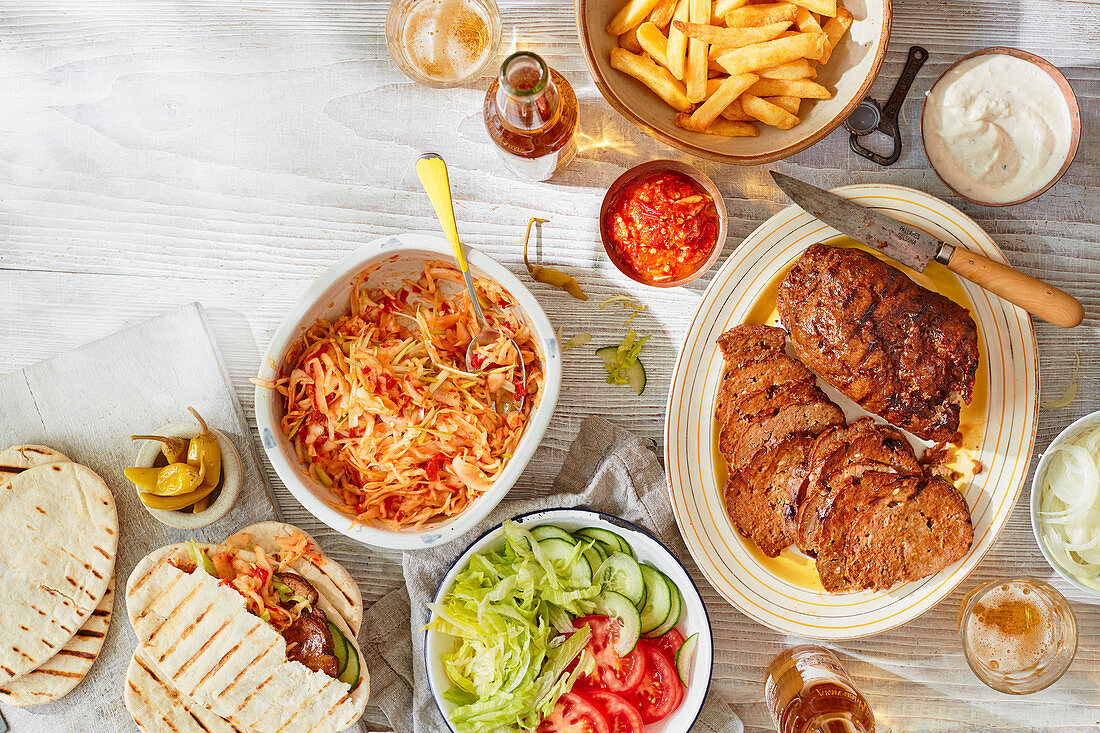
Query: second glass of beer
1019, 635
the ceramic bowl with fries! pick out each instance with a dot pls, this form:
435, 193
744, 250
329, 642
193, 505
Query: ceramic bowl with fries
737, 81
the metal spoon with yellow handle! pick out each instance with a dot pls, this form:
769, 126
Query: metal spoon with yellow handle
433, 176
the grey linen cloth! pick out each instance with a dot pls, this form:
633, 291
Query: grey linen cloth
608, 469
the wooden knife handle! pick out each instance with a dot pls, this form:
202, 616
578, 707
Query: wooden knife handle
1035, 296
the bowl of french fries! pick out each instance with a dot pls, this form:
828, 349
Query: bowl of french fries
739, 81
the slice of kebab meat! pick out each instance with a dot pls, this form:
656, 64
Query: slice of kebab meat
308, 638
839, 456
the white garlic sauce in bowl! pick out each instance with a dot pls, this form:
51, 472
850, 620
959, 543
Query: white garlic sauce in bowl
997, 128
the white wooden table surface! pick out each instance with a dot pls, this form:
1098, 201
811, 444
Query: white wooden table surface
156, 152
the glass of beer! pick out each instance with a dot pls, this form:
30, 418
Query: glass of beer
1019, 635
443, 43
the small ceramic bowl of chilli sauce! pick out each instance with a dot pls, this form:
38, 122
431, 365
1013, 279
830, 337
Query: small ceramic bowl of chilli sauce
663, 223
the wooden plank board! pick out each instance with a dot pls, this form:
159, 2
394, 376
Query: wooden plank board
158, 153
86, 403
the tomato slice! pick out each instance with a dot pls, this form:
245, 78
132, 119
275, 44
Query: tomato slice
670, 643
574, 714
660, 691
613, 673
622, 716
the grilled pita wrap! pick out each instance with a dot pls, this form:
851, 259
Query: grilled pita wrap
59, 674
241, 634
58, 538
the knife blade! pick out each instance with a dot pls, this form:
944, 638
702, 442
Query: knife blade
915, 249
908, 245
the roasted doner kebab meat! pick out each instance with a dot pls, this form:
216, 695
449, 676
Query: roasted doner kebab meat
905, 353
853, 496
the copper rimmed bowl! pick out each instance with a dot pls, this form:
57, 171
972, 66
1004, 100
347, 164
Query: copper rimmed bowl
1063, 85
849, 74
659, 166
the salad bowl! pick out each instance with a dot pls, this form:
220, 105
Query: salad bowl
390, 260
690, 620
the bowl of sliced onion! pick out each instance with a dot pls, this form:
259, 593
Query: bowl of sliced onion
1065, 504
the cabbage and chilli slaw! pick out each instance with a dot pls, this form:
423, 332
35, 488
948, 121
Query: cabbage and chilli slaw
381, 409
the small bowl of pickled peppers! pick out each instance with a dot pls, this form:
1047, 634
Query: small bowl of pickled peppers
186, 475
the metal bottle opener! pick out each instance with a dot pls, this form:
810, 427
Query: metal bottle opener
869, 117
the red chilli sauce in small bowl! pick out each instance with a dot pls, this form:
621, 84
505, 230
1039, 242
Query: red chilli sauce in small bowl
663, 225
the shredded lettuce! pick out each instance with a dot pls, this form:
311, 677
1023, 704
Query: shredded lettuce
202, 560
507, 608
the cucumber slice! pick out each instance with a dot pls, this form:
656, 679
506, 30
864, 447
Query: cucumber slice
673, 617
685, 655
622, 574
340, 648
351, 672
635, 373
564, 555
658, 603
610, 603
594, 556
608, 540
546, 531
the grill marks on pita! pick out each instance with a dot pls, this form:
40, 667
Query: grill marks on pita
58, 527
853, 496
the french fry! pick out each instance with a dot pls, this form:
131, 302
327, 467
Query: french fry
730, 37
695, 75
736, 112
768, 113
791, 104
802, 88
824, 7
806, 22
835, 28
676, 51
765, 14
630, 16
797, 69
658, 79
629, 41
721, 7
773, 53
661, 15
728, 128
653, 42
727, 90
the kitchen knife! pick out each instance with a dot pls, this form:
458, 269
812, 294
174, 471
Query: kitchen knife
913, 248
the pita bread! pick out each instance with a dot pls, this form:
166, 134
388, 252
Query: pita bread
18, 458
59, 674
58, 539
329, 577
156, 705
200, 634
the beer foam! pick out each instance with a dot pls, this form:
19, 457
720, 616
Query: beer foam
446, 40
1011, 629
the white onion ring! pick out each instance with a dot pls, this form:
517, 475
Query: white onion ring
1069, 507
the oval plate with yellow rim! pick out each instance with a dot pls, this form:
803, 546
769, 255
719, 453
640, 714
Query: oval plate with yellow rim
998, 427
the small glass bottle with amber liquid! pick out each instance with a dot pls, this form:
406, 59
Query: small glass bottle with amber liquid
531, 114
808, 691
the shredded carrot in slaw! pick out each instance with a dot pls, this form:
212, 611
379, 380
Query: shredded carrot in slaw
380, 407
